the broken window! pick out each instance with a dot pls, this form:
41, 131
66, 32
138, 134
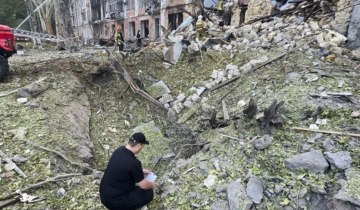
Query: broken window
131, 29
130, 5
145, 28
157, 28
175, 20
142, 4
83, 15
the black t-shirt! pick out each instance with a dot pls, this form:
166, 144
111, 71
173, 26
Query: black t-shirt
122, 173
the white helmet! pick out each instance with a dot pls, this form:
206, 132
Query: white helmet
200, 17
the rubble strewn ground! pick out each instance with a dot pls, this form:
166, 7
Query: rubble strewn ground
234, 146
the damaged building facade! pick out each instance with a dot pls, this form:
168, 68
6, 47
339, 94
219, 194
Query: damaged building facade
96, 20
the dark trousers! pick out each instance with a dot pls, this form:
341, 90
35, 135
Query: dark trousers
132, 201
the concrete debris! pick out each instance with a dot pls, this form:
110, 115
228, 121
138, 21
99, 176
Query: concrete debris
158, 89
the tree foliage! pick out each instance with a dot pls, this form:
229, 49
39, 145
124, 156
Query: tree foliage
13, 12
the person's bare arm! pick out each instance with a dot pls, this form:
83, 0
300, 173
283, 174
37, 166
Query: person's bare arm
146, 185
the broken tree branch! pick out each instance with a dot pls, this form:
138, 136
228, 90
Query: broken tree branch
61, 155
131, 82
326, 131
9, 202
15, 91
8, 160
53, 179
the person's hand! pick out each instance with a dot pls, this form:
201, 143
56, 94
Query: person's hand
146, 172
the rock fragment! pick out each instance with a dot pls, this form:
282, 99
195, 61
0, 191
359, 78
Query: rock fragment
339, 160
313, 161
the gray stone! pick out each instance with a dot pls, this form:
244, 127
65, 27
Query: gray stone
193, 48
350, 191
258, 61
278, 188
181, 97
303, 192
98, 175
217, 47
195, 98
221, 188
342, 17
314, 26
354, 28
246, 67
210, 181
231, 67
167, 98
210, 85
178, 107
214, 74
237, 197
352, 144
328, 144
19, 159
246, 29
312, 139
60, 193
313, 161
171, 116
188, 104
255, 189
306, 147
263, 142
292, 76
339, 160
19, 133
220, 204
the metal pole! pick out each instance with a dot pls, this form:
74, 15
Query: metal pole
30, 15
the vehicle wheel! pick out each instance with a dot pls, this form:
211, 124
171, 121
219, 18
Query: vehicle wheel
4, 68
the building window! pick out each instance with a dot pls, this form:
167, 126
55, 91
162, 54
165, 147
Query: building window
83, 15
142, 4
157, 28
106, 30
130, 5
131, 29
175, 20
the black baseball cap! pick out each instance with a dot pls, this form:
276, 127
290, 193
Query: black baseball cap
139, 138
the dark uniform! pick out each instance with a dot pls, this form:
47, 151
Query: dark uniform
117, 187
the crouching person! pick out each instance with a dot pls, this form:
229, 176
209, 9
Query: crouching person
123, 186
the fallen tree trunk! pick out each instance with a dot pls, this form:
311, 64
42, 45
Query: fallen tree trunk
131, 82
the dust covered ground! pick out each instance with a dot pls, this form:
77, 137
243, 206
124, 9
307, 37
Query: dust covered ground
85, 111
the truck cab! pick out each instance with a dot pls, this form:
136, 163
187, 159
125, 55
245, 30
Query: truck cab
7, 49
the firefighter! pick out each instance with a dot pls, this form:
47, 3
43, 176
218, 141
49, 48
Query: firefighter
119, 38
200, 28
220, 8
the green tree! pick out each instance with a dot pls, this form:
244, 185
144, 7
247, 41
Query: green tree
12, 13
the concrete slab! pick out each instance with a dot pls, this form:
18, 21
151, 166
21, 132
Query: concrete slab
158, 89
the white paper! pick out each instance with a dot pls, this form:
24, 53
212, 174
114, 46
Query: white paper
151, 177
